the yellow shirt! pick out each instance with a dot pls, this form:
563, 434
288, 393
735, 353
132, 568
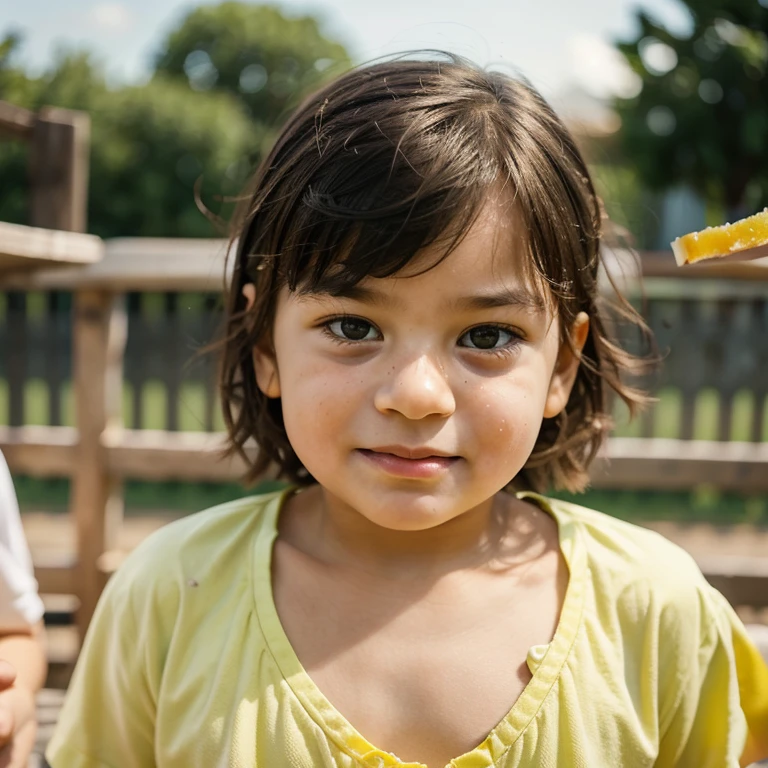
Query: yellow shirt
186, 664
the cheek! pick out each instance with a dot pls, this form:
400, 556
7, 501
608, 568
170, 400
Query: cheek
317, 399
510, 410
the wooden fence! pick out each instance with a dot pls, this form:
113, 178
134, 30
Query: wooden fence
132, 323
715, 345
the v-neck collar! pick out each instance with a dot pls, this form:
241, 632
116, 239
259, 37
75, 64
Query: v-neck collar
341, 732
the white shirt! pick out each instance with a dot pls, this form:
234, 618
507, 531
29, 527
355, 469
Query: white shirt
20, 605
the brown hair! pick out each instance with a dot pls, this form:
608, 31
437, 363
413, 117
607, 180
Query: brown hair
384, 161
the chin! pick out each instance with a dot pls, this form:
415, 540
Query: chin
406, 514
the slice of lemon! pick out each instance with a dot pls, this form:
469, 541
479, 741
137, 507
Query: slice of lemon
728, 240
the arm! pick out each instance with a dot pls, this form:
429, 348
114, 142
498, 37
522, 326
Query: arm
23, 667
722, 712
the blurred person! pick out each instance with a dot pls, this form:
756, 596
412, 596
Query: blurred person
22, 650
416, 339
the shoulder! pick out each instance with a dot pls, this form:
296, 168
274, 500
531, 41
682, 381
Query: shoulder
620, 547
637, 571
208, 547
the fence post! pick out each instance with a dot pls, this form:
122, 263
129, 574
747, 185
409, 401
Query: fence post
58, 169
96, 497
58, 173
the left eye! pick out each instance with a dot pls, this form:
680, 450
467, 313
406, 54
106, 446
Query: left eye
353, 329
487, 337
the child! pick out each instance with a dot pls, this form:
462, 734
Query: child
415, 341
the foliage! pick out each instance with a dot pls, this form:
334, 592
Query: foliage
701, 117
154, 147
264, 58
151, 144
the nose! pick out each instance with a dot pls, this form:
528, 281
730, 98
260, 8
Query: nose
416, 389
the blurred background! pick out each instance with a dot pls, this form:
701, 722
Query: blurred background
667, 97
668, 100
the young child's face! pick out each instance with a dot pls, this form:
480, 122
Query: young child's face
418, 398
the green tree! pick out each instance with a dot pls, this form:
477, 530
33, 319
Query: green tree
701, 116
151, 145
266, 59
225, 78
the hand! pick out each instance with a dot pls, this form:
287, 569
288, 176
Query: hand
17, 720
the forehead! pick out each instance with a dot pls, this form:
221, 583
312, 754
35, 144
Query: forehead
493, 254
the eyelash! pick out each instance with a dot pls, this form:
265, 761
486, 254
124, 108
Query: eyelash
509, 348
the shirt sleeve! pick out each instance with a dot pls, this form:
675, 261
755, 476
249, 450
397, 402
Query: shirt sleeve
108, 716
722, 691
20, 604
752, 674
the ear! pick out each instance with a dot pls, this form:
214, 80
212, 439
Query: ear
566, 367
264, 360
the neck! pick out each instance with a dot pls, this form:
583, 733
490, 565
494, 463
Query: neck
323, 526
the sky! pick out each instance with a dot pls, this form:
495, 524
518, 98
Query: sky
554, 43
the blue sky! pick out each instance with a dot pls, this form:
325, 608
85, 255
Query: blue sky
555, 43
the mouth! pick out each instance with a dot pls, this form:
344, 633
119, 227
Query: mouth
420, 452
417, 463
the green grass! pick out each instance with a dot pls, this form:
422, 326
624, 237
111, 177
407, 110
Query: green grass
154, 405
702, 504
186, 497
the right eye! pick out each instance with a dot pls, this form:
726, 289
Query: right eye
352, 329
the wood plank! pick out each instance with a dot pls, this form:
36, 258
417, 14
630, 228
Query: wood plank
16, 355
662, 264
54, 375
94, 494
25, 248
144, 454
40, 451
16, 122
741, 580
172, 355
168, 264
143, 264
56, 576
668, 464
58, 169
156, 455
159, 455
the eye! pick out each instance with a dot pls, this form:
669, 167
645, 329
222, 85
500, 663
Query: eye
488, 337
352, 329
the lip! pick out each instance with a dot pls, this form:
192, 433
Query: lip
420, 452
418, 463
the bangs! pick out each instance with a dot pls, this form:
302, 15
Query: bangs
394, 187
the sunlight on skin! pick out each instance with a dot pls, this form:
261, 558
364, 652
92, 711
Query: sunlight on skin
416, 379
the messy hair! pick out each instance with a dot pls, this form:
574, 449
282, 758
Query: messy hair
383, 162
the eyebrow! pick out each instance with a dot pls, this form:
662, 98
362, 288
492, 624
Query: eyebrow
493, 299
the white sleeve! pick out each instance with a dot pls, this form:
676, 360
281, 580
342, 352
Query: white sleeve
20, 605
